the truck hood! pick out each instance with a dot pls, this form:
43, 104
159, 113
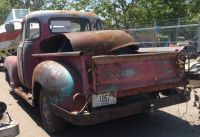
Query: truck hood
100, 42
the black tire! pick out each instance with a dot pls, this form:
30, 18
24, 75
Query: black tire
54, 123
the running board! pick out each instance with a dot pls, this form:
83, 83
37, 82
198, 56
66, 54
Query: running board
25, 94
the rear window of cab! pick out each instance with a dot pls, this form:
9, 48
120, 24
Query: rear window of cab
69, 25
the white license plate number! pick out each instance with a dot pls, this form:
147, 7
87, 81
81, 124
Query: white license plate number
104, 99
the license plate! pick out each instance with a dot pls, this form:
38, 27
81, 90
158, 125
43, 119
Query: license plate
104, 99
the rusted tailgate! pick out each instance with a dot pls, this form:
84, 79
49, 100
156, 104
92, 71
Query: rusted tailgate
122, 72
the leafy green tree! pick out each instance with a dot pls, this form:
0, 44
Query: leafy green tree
57, 5
194, 6
120, 14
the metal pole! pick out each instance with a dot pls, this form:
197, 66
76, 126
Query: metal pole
199, 36
155, 34
177, 29
134, 31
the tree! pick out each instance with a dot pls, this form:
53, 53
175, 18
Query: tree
123, 13
57, 5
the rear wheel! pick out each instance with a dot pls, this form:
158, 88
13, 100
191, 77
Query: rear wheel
51, 122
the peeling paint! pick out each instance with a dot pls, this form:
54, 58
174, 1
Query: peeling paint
164, 62
66, 91
90, 53
111, 88
57, 81
168, 72
126, 73
169, 80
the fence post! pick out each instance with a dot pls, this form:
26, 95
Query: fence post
177, 30
155, 33
134, 31
198, 48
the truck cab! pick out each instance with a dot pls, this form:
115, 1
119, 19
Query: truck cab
73, 70
40, 25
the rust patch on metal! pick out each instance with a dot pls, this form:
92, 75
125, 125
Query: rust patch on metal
79, 14
76, 13
180, 69
100, 42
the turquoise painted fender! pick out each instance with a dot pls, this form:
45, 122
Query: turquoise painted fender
60, 82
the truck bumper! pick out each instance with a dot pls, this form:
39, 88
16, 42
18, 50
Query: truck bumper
89, 118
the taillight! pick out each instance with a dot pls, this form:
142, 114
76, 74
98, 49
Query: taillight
79, 98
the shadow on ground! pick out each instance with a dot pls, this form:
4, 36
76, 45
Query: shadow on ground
140, 125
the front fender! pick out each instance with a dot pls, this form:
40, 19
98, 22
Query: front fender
10, 64
60, 82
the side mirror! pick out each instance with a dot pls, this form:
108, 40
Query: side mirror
9, 27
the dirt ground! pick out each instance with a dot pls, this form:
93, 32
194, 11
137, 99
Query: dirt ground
166, 122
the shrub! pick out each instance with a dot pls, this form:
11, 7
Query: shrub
181, 38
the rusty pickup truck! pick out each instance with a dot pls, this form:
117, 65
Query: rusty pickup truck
75, 72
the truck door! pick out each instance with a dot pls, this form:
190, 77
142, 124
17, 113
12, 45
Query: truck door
20, 55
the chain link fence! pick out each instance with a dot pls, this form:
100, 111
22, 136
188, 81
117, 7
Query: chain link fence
166, 33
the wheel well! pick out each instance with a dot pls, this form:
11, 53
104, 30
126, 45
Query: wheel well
36, 93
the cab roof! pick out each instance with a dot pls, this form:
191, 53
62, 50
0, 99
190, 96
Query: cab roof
44, 15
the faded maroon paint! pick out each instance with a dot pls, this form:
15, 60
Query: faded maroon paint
125, 72
10, 65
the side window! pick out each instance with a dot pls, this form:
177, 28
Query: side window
99, 26
23, 32
33, 30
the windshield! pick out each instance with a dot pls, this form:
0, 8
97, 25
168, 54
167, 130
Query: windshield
69, 25
21, 13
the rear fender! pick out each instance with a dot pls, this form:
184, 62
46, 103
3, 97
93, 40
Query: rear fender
60, 82
10, 65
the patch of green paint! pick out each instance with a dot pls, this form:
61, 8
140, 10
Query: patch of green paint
90, 53
111, 88
127, 73
164, 62
169, 80
66, 90
168, 72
